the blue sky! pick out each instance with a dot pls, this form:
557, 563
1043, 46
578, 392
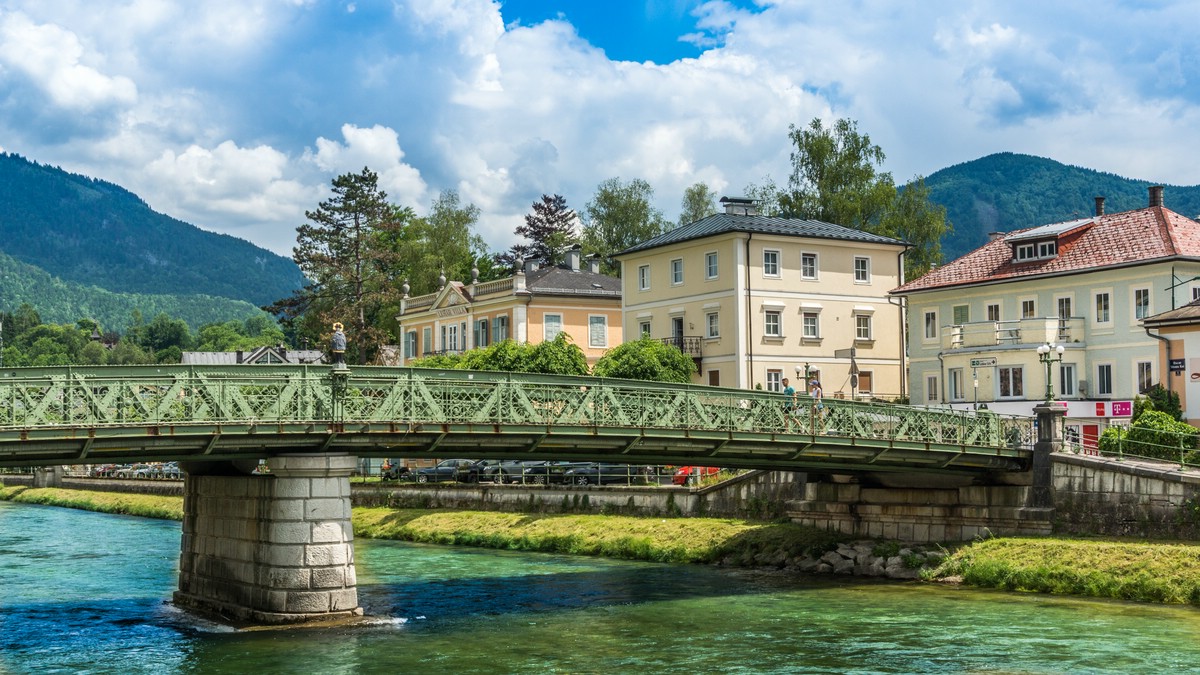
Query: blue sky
235, 115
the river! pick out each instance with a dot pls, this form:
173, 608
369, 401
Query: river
86, 593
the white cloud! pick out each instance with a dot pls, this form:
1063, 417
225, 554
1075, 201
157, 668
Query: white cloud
377, 148
55, 60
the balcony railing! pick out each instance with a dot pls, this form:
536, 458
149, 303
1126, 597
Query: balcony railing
688, 344
1012, 332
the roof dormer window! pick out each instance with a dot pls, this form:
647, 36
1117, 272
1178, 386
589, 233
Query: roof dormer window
1035, 250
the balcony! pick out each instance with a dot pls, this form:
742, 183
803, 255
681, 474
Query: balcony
982, 334
688, 344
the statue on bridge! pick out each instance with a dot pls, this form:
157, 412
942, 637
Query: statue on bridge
338, 346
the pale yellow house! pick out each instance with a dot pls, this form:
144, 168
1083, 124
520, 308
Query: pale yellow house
534, 304
1087, 285
755, 299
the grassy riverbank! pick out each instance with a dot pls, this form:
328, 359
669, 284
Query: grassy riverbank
1138, 571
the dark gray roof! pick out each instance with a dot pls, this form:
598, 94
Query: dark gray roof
1188, 314
562, 281
722, 223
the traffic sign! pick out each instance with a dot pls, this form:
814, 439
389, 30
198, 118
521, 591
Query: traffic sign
984, 363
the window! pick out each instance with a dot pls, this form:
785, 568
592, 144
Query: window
1066, 380
864, 381
1028, 309
862, 326
931, 326
954, 380
1145, 376
993, 312
808, 265
410, 344
712, 322
644, 278
1104, 382
500, 328
862, 270
1196, 292
644, 328
1141, 303
450, 337
1047, 249
427, 339
811, 321
598, 331
481, 333
770, 263
931, 389
1035, 250
774, 377
677, 271
1064, 307
1103, 314
772, 327
1011, 382
714, 378
962, 314
551, 326
710, 265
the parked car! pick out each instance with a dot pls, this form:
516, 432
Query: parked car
445, 470
103, 471
599, 473
392, 470
507, 471
684, 472
134, 471
170, 471
544, 473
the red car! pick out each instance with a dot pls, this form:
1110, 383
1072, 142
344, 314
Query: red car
683, 472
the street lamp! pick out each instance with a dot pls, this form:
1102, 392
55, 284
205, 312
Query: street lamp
1046, 355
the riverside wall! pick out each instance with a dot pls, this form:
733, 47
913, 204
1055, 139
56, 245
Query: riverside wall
1129, 498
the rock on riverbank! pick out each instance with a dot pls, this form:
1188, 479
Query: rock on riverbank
889, 560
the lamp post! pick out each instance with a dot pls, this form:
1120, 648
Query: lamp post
1046, 354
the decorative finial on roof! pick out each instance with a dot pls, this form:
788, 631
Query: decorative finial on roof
442, 280
474, 273
404, 288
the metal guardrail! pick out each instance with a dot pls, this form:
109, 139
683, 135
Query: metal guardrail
69, 407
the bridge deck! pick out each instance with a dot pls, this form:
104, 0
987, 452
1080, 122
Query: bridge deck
115, 414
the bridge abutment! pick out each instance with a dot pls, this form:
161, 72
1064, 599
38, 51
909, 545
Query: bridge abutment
275, 548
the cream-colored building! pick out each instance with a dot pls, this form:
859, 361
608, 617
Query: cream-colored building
1087, 285
755, 299
534, 304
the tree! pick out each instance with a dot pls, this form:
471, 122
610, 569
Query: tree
554, 357
766, 196
698, 202
444, 242
834, 179
340, 249
619, 216
550, 231
646, 359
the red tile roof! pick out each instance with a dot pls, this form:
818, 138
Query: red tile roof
1117, 239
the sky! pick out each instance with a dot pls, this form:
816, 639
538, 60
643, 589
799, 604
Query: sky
236, 115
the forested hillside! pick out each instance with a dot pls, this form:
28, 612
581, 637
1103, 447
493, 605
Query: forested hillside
57, 301
1007, 191
92, 232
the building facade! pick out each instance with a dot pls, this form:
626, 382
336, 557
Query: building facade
1180, 329
755, 299
975, 324
533, 305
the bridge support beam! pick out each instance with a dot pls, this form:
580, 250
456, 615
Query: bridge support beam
276, 548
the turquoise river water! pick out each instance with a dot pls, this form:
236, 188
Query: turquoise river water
87, 593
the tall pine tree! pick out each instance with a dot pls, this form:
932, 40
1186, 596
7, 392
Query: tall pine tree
550, 231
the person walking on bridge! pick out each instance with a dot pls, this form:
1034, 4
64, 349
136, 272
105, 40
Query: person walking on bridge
818, 407
789, 408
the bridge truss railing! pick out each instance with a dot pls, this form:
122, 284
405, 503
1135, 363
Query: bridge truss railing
43, 398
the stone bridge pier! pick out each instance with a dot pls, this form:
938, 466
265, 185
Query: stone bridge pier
273, 548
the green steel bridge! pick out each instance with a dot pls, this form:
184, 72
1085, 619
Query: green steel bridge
95, 415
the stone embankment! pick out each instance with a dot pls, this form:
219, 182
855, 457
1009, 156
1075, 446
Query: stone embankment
888, 560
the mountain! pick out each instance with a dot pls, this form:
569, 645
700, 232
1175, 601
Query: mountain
58, 301
1007, 191
94, 233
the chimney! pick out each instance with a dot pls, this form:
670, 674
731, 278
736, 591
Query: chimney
1156, 195
573, 258
1099, 206
739, 206
995, 236
594, 263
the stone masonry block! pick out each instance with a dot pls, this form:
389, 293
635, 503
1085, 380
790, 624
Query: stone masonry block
287, 509
328, 577
296, 532
327, 554
330, 487
288, 578
282, 555
291, 488
329, 533
343, 600
326, 509
308, 602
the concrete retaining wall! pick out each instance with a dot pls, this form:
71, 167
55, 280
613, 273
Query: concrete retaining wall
1099, 495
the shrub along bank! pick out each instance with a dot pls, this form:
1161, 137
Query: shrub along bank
1139, 571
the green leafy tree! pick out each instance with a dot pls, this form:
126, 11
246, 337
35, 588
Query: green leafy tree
1155, 434
559, 356
836, 178
698, 202
619, 216
550, 231
646, 359
443, 242
342, 249
766, 196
